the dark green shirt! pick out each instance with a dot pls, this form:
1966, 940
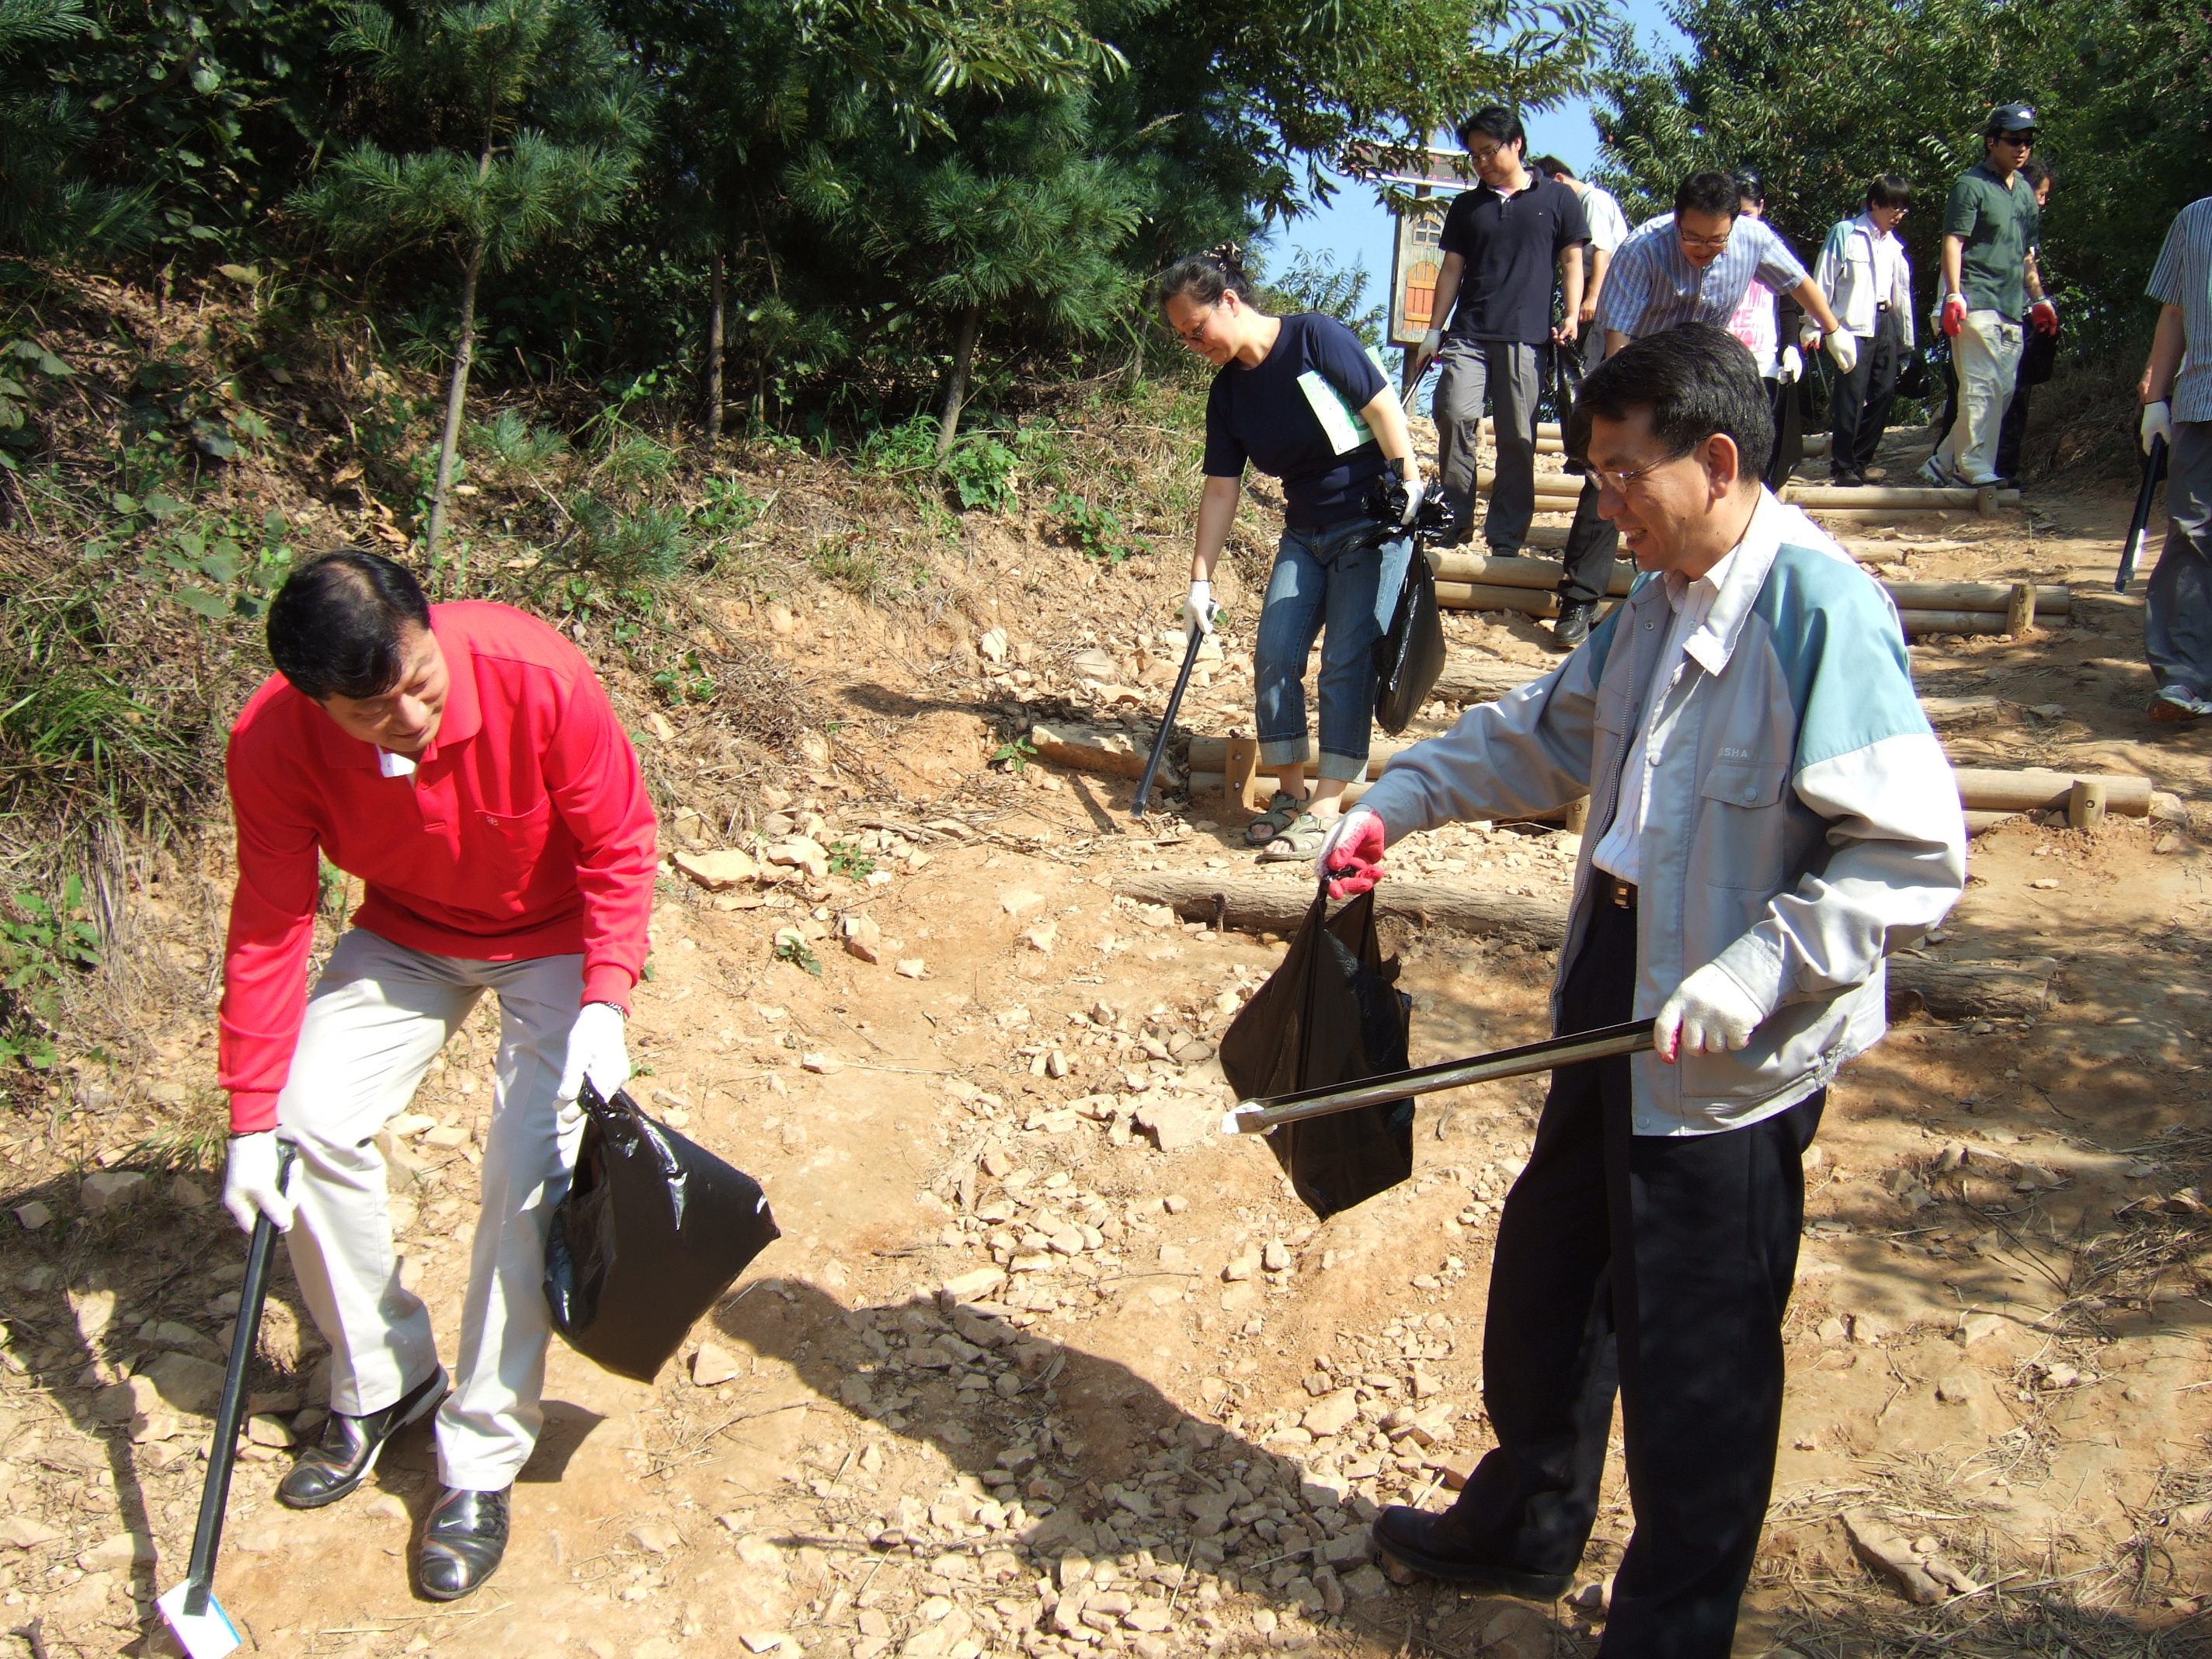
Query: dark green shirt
2001, 225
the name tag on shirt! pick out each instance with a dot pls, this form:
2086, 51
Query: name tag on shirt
394, 766
1339, 422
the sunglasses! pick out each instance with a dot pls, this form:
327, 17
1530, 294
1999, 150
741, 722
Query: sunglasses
2023, 139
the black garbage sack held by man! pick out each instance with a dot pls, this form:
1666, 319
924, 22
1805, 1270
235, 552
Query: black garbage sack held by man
1331, 1014
655, 1228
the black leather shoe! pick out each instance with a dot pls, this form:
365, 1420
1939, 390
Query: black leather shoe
349, 1445
1574, 624
1438, 1546
1847, 481
463, 1543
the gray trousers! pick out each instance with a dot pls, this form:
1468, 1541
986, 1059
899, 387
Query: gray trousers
1504, 373
2178, 614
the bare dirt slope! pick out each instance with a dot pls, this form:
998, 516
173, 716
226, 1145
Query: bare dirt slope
1039, 1364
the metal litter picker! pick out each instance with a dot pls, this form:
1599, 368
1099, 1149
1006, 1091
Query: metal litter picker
1257, 1117
1144, 801
2139, 523
201, 1628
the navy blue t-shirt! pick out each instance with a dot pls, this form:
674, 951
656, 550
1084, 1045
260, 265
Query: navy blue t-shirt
1292, 415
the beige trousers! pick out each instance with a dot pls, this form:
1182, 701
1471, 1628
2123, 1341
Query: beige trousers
376, 1020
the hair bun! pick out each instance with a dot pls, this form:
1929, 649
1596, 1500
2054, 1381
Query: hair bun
1231, 255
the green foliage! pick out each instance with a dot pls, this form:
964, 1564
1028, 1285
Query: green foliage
45, 943
27, 370
690, 684
847, 859
982, 472
1015, 755
791, 946
1097, 531
228, 572
1315, 282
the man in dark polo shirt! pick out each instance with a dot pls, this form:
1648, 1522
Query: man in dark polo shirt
1991, 291
1501, 242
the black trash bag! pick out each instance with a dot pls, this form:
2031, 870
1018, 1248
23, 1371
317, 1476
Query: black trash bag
1332, 1014
652, 1231
1409, 658
1560, 385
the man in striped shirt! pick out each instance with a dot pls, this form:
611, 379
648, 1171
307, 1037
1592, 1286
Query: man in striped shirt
2177, 399
1692, 265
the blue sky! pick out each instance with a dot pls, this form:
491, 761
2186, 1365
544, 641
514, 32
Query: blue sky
1355, 230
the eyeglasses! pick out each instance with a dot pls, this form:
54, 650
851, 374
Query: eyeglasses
1714, 242
1618, 480
2023, 139
1483, 157
1196, 332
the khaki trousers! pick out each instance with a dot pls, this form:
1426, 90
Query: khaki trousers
1986, 351
376, 1020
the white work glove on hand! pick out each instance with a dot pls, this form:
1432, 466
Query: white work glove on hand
1431, 343
1415, 490
1793, 365
1199, 614
1709, 1012
596, 1050
2157, 422
1809, 335
1843, 349
249, 1184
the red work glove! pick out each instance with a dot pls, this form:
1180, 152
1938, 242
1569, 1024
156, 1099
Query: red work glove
2044, 316
1954, 315
1351, 859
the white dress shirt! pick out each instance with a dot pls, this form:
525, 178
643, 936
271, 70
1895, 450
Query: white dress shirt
1620, 850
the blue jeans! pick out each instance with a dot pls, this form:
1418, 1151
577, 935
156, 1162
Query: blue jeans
1338, 583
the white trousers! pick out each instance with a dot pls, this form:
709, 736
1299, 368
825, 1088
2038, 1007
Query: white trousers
1985, 351
376, 1020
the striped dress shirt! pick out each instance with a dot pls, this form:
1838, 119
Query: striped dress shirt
2183, 277
1651, 285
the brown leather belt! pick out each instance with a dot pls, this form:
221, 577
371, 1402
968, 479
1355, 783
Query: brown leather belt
1615, 891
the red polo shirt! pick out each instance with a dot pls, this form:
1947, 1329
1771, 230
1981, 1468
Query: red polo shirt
524, 831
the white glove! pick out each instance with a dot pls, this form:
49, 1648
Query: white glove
596, 1050
1199, 614
1414, 490
2157, 422
1843, 348
1793, 365
1709, 1012
249, 1184
1808, 334
1431, 343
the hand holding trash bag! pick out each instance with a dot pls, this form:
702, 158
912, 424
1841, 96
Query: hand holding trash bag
1351, 858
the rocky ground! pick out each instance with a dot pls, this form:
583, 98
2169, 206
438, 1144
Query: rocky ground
1042, 1364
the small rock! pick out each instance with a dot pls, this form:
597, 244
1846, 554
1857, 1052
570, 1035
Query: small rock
824, 1065
1043, 937
184, 1383
1974, 1327
997, 1163
1366, 1582
863, 938
991, 644
910, 968
655, 1537
33, 1216
1015, 900
386, 1507
1175, 1204
716, 872
109, 1189
712, 1366
451, 1137
187, 1193
113, 1554
1958, 1389
21, 1532
1275, 1256
1332, 1414
268, 1430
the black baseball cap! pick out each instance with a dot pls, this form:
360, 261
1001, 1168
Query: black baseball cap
2011, 118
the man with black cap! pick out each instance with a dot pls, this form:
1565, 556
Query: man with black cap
1990, 287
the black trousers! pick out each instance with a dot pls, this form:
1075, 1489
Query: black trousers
1592, 546
1658, 1266
1861, 399
2013, 429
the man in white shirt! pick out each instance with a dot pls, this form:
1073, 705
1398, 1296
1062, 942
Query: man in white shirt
1608, 229
1863, 271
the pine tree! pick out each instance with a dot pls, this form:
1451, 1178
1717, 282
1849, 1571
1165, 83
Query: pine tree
45, 206
552, 116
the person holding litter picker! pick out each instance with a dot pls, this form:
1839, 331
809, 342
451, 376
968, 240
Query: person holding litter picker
1298, 397
464, 761
1770, 816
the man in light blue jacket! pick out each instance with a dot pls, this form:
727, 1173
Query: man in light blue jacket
1769, 816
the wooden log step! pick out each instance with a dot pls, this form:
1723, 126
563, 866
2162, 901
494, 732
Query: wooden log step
1901, 498
1256, 903
1816, 443
2051, 598
2040, 789
1457, 565
1482, 596
1109, 751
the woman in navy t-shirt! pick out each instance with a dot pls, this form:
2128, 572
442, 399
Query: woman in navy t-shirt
1299, 397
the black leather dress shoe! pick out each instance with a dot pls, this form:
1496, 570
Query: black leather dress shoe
342, 1459
1573, 626
1436, 1545
463, 1543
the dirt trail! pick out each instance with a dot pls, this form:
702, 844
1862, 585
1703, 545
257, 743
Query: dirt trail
1160, 1404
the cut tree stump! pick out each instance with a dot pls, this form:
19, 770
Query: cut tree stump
1948, 990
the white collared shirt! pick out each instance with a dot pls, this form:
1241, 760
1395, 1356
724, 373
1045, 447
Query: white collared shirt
1620, 851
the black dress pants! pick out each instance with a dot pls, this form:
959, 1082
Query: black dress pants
1592, 546
1862, 398
1658, 1266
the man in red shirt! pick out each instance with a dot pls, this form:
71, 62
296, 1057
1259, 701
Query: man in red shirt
464, 762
